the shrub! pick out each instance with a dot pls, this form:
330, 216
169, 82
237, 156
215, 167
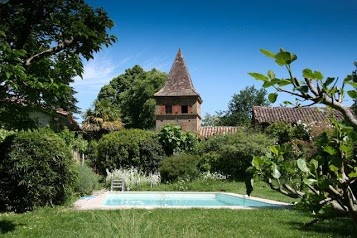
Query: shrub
37, 169
87, 180
92, 155
174, 140
4, 133
284, 132
129, 148
181, 166
231, 155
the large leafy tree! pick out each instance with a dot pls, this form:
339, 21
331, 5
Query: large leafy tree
131, 93
241, 105
327, 179
42, 45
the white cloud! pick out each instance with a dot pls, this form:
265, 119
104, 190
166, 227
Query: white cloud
159, 63
97, 73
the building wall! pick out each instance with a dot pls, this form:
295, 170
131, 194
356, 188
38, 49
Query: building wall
189, 121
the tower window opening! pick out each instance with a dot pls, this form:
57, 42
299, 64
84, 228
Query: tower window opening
168, 109
184, 109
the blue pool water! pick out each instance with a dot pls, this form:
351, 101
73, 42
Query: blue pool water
161, 199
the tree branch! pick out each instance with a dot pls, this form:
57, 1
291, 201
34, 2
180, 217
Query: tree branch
51, 51
347, 113
311, 86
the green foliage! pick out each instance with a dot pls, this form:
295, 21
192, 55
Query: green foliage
179, 167
232, 154
4, 133
87, 180
210, 120
37, 169
131, 95
326, 181
284, 132
129, 148
241, 105
42, 46
173, 140
75, 142
92, 154
104, 118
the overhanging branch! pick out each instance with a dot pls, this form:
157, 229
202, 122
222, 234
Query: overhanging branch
51, 51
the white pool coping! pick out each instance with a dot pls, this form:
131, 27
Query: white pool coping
96, 202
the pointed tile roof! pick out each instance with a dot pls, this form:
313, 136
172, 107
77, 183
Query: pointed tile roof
179, 82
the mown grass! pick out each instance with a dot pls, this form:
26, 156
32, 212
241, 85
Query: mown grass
66, 222
61, 222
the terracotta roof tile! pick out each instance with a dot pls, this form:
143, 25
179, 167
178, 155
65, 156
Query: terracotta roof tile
179, 81
208, 131
293, 115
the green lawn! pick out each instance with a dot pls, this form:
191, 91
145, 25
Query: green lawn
61, 222
66, 222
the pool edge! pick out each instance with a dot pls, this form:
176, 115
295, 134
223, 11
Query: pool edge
96, 203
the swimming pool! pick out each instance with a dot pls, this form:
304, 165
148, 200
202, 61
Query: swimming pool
185, 200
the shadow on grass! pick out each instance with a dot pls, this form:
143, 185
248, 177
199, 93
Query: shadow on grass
7, 226
341, 227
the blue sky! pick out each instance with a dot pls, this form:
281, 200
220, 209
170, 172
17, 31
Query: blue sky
220, 41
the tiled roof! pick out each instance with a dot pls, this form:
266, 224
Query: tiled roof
293, 115
179, 82
208, 131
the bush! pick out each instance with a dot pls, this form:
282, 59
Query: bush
92, 155
181, 166
87, 180
4, 133
37, 169
284, 132
231, 155
173, 140
129, 148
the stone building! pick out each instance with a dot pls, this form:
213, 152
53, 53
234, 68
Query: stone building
178, 102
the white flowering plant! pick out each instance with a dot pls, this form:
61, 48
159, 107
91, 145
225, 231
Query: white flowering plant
133, 177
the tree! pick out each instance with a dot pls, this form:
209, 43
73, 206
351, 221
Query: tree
131, 93
104, 118
329, 178
241, 105
42, 45
210, 120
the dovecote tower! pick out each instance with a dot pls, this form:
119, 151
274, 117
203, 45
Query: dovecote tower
177, 102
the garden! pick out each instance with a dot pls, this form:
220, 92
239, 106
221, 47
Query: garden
41, 181
313, 167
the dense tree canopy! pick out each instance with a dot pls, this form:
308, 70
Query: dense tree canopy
241, 105
42, 45
131, 93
